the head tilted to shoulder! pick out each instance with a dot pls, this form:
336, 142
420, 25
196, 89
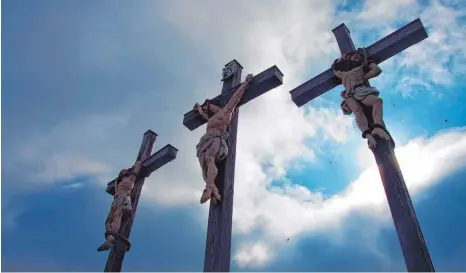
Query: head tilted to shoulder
125, 172
206, 107
349, 60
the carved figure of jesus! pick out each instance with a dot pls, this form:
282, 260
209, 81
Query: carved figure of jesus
121, 204
354, 71
212, 147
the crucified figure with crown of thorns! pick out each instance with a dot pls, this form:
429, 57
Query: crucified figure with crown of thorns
355, 71
213, 147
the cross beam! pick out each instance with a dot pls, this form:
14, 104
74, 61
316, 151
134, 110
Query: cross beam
261, 83
416, 255
379, 51
150, 164
218, 241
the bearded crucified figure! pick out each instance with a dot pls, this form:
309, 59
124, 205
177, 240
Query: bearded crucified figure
121, 204
354, 71
213, 145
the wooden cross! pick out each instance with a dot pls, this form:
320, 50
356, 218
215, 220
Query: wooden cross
218, 242
150, 163
412, 242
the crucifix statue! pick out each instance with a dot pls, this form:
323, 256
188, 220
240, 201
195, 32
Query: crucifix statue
213, 145
353, 70
126, 189
217, 153
121, 204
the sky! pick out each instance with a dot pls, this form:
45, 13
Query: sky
83, 80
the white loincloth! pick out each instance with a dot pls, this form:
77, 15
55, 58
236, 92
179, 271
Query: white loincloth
359, 94
204, 144
122, 201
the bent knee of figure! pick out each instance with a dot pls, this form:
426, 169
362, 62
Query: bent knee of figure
109, 219
210, 159
355, 106
214, 149
378, 100
118, 213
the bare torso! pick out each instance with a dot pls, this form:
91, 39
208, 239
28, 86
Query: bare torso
352, 77
125, 187
219, 122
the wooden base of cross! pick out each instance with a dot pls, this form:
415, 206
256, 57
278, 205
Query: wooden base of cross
150, 163
218, 241
412, 242
413, 245
414, 248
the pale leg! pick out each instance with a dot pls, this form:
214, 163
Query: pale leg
377, 114
117, 220
112, 223
215, 194
361, 120
212, 171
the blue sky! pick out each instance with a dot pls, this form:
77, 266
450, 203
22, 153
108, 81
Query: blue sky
83, 80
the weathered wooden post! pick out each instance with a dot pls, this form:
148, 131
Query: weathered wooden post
150, 163
412, 242
218, 242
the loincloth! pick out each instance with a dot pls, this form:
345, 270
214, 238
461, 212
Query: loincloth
123, 202
204, 144
359, 93
206, 141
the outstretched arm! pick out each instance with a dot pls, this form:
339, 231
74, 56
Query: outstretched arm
374, 71
136, 170
137, 167
198, 108
236, 97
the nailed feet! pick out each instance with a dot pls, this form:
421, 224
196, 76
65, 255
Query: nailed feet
210, 192
109, 243
371, 142
380, 133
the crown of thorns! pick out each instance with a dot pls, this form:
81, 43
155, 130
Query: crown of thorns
210, 101
125, 171
359, 51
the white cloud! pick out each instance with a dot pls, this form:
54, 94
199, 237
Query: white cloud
281, 213
436, 61
379, 11
255, 254
77, 148
65, 167
272, 130
444, 45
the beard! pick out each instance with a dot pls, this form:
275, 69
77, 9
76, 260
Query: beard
207, 104
127, 172
207, 111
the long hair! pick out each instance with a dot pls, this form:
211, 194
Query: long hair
123, 173
208, 103
346, 64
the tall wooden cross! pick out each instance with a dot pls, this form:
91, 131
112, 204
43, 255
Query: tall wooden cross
218, 242
412, 242
150, 163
